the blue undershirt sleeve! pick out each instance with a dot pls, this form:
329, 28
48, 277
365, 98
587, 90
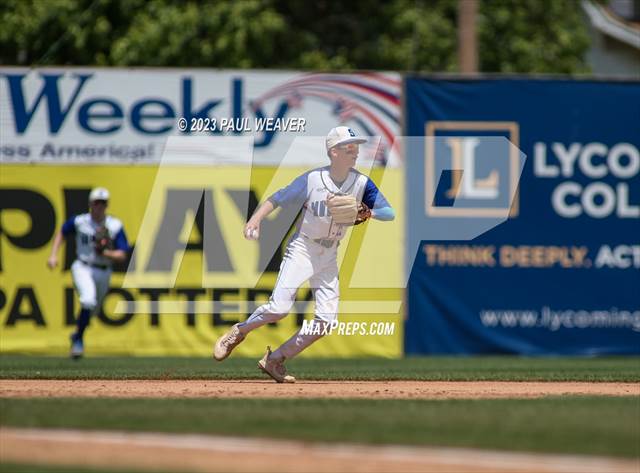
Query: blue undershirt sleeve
69, 227
120, 242
374, 199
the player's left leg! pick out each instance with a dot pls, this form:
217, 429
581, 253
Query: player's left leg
296, 268
326, 287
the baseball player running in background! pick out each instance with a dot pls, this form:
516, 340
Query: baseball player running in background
332, 198
100, 241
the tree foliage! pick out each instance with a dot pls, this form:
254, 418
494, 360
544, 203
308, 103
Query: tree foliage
543, 36
401, 35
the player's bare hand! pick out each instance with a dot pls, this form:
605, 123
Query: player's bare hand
52, 262
251, 231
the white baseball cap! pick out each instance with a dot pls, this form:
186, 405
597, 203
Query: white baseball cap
341, 135
99, 193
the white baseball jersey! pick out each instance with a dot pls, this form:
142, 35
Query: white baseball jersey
308, 256
85, 228
310, 191
311, 253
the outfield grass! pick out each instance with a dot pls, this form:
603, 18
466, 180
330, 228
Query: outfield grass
494, 368
585, 425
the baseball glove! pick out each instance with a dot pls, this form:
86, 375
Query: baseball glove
346, 210
364, 214
343, 208
102, 240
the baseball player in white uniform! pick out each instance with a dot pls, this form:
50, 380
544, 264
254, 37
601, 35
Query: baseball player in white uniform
311, 254
100, 241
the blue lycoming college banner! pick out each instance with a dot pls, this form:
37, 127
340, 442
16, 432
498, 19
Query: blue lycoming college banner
524, 202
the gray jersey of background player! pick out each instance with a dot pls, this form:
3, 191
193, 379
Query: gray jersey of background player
311, 253
91, 271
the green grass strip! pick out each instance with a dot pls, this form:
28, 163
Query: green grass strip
584, 425
495, 368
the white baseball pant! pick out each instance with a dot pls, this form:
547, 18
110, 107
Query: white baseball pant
91, 283
304, 260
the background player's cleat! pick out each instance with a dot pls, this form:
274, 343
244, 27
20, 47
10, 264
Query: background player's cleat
77, 348
275, 369
225, 344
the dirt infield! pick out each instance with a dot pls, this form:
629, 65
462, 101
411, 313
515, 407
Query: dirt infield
202, 453
309, 389
157, 452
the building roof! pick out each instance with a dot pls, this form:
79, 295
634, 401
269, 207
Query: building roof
610, 24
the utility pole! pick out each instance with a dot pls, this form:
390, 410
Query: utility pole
467, 37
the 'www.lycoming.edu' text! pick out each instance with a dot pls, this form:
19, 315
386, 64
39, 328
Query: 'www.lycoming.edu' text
556, 319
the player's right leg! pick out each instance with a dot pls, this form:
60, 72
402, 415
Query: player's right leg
296, 268
86, 289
